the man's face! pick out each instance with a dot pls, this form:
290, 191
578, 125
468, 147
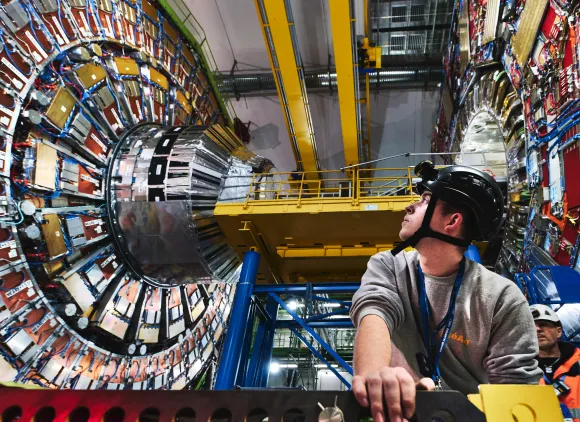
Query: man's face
414, 218
548, 334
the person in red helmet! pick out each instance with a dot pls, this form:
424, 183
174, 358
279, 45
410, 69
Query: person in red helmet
431, 318
559, 360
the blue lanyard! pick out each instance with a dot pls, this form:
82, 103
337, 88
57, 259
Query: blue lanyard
434, 351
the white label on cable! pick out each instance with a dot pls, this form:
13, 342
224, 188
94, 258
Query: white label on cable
116, 116
6, 111
10, 66
12, 253
10, 244
115, 265
85, 30
37, 57
17, 83
166, 142
63, 109
156, 199
94, 223
60, 30
158, 169
98, 229
90, 179
40, 323
26, 285
139, 109
30, 292
107, 261
98, 141
57, 234
36, 45
109, 29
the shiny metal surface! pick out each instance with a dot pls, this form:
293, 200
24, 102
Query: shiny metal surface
163, 186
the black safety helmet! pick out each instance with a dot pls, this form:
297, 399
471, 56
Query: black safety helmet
463, 187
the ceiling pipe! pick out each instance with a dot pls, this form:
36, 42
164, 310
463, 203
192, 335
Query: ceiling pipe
417, 76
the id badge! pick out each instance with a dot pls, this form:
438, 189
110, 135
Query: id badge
560, 388
424, 365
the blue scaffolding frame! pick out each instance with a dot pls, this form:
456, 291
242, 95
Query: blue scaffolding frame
245, 358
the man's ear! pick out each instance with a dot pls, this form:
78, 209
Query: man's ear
453, 223
559, 333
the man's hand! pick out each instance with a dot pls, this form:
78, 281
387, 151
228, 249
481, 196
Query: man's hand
391, 386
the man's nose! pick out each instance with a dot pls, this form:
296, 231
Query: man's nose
410, 208
538, 329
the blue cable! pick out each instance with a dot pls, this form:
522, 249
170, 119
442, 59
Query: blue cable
9, 55
41, 28
60, 20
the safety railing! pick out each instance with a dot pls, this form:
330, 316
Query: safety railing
359, 184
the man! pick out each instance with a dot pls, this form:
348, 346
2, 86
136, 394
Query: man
559, 360
452, 321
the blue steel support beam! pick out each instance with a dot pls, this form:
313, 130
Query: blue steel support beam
319, 356
257, 352
233, 344
301, 289
310, 331
331, 300
331, 323
326, 315
472, 253
263, 369
243, 368
262, 347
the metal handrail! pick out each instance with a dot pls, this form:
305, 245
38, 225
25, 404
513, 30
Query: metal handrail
337, 185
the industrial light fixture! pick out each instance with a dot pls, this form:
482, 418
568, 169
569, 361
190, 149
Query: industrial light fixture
276, 366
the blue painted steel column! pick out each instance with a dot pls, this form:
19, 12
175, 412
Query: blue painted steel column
243, 367
263, 369
472, 253
232, 349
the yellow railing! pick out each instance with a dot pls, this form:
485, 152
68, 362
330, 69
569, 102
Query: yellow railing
359, 184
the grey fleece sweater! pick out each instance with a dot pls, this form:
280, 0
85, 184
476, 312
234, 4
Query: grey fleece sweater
493, 337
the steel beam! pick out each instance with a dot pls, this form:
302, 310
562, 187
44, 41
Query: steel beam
233, 345
301, 288
320, 357
282, 47
315, 335
259, 366
347, 77
332, 251
256, 239
330, 323
248, 334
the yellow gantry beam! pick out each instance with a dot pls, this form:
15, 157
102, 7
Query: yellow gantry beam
289, 76
346, 77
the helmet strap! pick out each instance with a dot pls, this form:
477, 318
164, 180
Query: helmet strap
426, 231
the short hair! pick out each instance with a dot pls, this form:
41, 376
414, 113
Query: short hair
467, 227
